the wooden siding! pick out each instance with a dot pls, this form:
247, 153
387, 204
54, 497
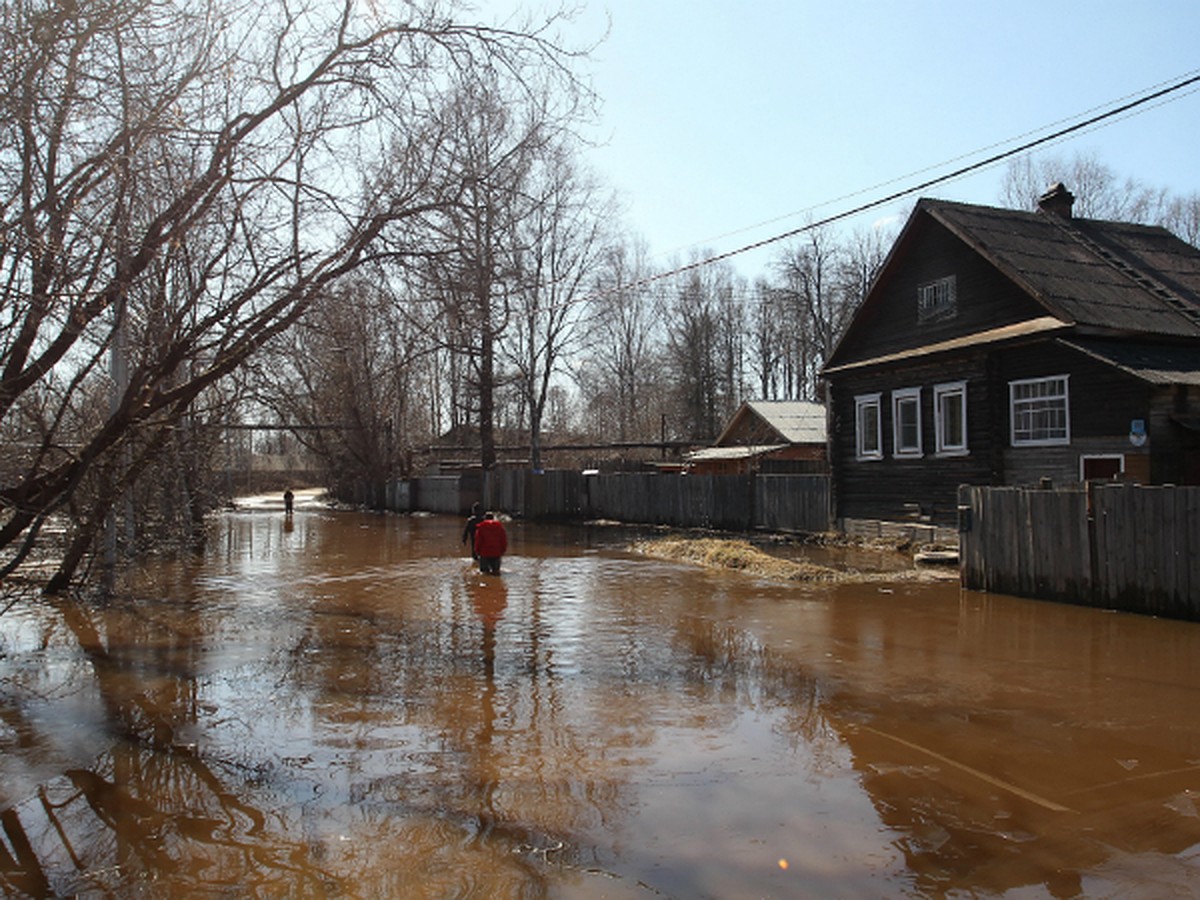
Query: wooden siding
888, 322
1176, 449
749, 430
1103, 400
898, 488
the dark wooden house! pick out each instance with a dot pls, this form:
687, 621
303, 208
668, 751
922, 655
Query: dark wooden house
770, 436
1001, 347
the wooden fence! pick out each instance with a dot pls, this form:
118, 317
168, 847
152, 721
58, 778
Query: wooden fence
1122, 547
786, 503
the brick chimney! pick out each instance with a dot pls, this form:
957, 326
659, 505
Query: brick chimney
1057, 201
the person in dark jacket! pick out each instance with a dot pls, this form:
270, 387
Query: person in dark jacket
491, 542
468, 536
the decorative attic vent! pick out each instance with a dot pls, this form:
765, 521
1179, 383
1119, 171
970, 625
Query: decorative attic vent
937, 300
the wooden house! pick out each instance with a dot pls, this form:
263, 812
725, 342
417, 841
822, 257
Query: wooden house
1002, 347
773, 436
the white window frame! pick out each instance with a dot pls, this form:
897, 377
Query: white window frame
1057, 440
940, 392
861, 403
937, 300
900, 450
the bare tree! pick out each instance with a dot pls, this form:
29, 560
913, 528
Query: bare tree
816, 306
704, 348
765, 339
623, 346
347, 381
172, 192
559, 249
491, 147
1100, 193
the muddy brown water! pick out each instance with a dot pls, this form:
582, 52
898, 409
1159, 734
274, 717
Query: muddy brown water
337, 705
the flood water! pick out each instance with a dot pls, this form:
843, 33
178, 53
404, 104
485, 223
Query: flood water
340, 706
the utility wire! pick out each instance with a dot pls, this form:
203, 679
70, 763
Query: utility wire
941, 179
936, 166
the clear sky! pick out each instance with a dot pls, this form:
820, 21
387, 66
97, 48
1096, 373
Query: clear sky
725, 123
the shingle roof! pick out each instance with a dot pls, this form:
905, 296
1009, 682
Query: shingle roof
1107, 275
1155, 363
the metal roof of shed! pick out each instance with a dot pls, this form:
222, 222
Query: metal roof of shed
796, 421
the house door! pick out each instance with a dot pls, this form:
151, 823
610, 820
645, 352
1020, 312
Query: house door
1101, 468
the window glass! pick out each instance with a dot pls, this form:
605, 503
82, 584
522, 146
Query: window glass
868, 427
950, 414
906, 422
1039, 412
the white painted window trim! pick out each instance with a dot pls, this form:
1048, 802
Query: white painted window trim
1012, 413
861, 402
940, 391
898, 450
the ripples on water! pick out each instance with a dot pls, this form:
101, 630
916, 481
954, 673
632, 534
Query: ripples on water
341, 705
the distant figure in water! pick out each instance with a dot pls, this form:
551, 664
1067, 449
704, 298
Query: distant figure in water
289, 501
491, 542
468, 537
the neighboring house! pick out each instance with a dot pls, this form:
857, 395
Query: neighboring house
999, 347
767, 436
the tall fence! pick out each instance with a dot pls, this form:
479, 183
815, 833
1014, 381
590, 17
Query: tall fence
787, 503
1123, 547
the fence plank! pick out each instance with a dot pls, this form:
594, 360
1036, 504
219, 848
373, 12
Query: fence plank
1135, 552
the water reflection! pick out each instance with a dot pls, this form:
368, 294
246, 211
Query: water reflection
340, 704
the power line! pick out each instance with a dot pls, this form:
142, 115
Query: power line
936, 166
1090, 122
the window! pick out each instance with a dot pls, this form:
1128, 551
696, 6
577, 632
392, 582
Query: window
950, 418
868, 427
1039, 413
906, 422
937, 300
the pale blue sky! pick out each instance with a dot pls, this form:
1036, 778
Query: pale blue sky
719, 117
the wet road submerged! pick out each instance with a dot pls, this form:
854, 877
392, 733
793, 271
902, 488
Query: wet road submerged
339, 705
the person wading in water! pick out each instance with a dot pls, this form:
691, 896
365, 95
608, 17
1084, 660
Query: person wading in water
468, 537
491, 542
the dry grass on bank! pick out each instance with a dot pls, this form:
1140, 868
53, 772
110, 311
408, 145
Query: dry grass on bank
741, 555
734, 554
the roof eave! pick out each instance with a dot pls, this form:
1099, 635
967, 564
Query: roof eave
1044, 325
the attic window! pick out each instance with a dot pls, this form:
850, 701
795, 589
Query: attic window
937, 300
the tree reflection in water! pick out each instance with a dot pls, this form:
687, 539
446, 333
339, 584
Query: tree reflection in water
150, 808
339, 705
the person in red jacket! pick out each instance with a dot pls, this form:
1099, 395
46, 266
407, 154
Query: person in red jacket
491, 542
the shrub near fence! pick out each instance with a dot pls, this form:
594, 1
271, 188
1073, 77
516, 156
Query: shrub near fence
1121, 547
